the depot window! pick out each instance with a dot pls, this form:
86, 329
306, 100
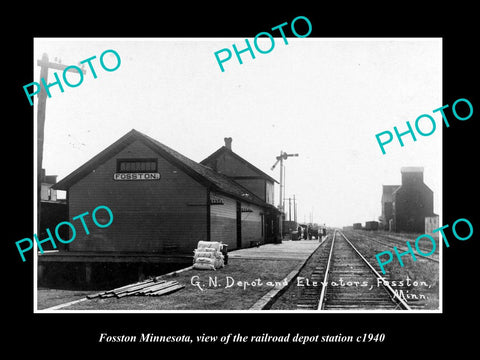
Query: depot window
136, 165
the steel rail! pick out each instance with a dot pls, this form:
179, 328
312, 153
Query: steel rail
325, 278
391, 292
401, 248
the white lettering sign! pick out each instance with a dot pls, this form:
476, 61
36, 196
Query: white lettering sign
136, 176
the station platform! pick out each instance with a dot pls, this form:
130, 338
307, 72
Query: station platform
252, 280
286, 250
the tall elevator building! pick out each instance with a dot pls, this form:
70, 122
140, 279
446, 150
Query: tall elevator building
412, 202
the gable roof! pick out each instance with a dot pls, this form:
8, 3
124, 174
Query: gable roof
387, 193
224, 150
203, 174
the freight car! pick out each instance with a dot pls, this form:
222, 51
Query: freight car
371, 225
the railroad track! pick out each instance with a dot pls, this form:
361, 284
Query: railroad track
402, 247
311, 292
345, 280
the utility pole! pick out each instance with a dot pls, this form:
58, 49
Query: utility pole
281, 205
44, 64
294, 209
280, 158
289, 209
283, 194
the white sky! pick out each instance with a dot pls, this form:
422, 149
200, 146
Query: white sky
322, 98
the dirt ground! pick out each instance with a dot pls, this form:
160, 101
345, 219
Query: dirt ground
237, 286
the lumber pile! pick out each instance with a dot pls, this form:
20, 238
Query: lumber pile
150, 287
208, 255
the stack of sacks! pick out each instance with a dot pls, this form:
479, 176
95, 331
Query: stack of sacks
208, 256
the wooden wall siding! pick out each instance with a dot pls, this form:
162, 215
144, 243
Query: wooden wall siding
256, 186
231, 166
269, 193
223, 221
251, 225
149, 216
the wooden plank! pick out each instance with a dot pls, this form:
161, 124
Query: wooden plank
152, 284
158, 287
126, 287
116, 290
107, 295
153, 289
150, 288
132, 290
167, 286
93, 296
168, 290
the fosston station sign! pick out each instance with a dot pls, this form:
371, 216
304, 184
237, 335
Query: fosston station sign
136, 176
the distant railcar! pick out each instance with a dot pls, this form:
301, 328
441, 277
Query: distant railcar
371, 225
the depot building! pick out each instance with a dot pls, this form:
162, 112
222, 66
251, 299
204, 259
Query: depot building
163, 204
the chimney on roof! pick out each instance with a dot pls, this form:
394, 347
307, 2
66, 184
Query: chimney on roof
228, 143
